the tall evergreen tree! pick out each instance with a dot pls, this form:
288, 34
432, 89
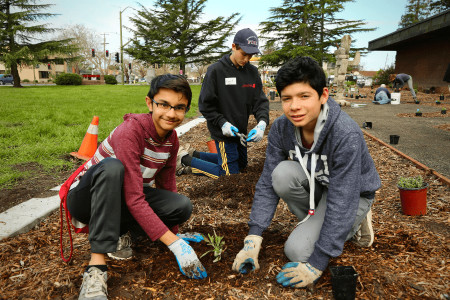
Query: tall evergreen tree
306, 27
172, 33
20, 36
416, 10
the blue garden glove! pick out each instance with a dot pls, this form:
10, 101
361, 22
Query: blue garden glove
191, 237
187, 260
257, 133
247, 259
298, 275
228, 129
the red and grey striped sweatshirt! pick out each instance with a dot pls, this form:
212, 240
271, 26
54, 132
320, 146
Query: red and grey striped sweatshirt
147, 160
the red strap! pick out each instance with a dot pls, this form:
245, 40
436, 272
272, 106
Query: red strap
63, 191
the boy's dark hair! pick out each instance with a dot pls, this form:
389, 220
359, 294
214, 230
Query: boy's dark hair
301, 69
172, 82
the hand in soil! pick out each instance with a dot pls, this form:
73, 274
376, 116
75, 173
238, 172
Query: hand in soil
247, 259
298, 274
187, 260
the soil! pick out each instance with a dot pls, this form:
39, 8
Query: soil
408, 260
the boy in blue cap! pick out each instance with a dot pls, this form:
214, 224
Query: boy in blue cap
231, 92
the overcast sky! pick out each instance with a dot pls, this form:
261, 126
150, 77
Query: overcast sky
103, 17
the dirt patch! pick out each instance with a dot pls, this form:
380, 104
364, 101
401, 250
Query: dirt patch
408, 260
445, 127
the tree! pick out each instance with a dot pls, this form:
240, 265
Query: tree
306, 27
84, 40
20, 36
172, 33
418, 10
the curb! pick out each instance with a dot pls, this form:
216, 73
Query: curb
24, 216
428, 170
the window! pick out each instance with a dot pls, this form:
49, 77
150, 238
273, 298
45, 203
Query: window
43, 74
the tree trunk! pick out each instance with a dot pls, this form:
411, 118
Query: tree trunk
15, 74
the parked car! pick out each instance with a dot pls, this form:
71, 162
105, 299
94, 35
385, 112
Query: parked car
4, 79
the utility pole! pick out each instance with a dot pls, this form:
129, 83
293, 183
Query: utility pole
122, 45
104, 50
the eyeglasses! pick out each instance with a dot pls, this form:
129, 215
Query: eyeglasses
179, 109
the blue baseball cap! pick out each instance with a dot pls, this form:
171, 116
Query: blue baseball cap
247, 40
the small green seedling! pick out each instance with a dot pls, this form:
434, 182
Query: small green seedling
217, 243
410, 182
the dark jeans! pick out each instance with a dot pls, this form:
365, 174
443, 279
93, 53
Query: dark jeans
231, 158
98, 200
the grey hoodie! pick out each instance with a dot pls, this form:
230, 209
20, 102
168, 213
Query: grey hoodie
343, 165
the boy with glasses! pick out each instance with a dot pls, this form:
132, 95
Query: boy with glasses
231, 92
114, 192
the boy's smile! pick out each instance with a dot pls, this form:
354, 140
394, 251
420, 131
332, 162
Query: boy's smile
301, 104
166, 118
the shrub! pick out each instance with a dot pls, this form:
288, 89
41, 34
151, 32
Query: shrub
68, 79
25, 80
382, 76
110, 79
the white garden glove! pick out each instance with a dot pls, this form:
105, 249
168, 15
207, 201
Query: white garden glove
187, 260
228, 129
247, 258
257, 133
298, 275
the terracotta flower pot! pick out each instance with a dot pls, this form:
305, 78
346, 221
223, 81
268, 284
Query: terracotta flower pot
414, 201
212, 146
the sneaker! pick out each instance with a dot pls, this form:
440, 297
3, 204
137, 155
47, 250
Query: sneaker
124, 250
94, 285
364, 236
181, 168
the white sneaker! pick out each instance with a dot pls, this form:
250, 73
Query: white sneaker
94, 285
181, 168
124, 250
364, 236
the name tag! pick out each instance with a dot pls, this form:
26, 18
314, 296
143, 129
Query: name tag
230, 81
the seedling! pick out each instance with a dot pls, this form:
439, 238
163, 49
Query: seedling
410, 182
217, 243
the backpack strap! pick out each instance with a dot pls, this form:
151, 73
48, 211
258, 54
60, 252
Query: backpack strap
63, 191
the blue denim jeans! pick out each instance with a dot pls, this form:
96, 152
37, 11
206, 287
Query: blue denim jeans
231, 157
382, 98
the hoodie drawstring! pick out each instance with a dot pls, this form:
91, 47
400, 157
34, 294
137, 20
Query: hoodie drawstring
311, 181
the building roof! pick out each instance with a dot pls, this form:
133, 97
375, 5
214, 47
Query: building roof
437, 26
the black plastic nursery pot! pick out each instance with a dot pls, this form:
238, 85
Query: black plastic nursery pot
443, 112
393, 139
419, 114
367, 125
343, 282
441, 97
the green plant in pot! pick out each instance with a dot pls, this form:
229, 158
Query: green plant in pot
443, 111
418, 113
413, 195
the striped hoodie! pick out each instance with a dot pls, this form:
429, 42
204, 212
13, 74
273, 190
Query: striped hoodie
147, 160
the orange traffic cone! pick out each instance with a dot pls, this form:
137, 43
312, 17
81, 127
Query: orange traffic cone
89, 144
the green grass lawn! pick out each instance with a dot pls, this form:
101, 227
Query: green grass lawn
42, 124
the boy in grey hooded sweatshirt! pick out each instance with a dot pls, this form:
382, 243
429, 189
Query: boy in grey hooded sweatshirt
317, 161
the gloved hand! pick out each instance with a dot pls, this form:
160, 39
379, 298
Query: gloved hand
187, 260
257, 133
191, 237
298, 275
247, 258
228, 129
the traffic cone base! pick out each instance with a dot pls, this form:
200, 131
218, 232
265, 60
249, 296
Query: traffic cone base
89, 144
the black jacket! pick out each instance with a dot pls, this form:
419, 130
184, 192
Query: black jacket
232, 94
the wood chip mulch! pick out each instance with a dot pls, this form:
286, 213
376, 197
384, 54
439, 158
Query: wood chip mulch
408, 260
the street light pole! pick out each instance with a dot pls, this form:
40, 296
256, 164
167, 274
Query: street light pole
121, 43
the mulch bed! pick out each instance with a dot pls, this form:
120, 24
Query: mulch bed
408, 260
